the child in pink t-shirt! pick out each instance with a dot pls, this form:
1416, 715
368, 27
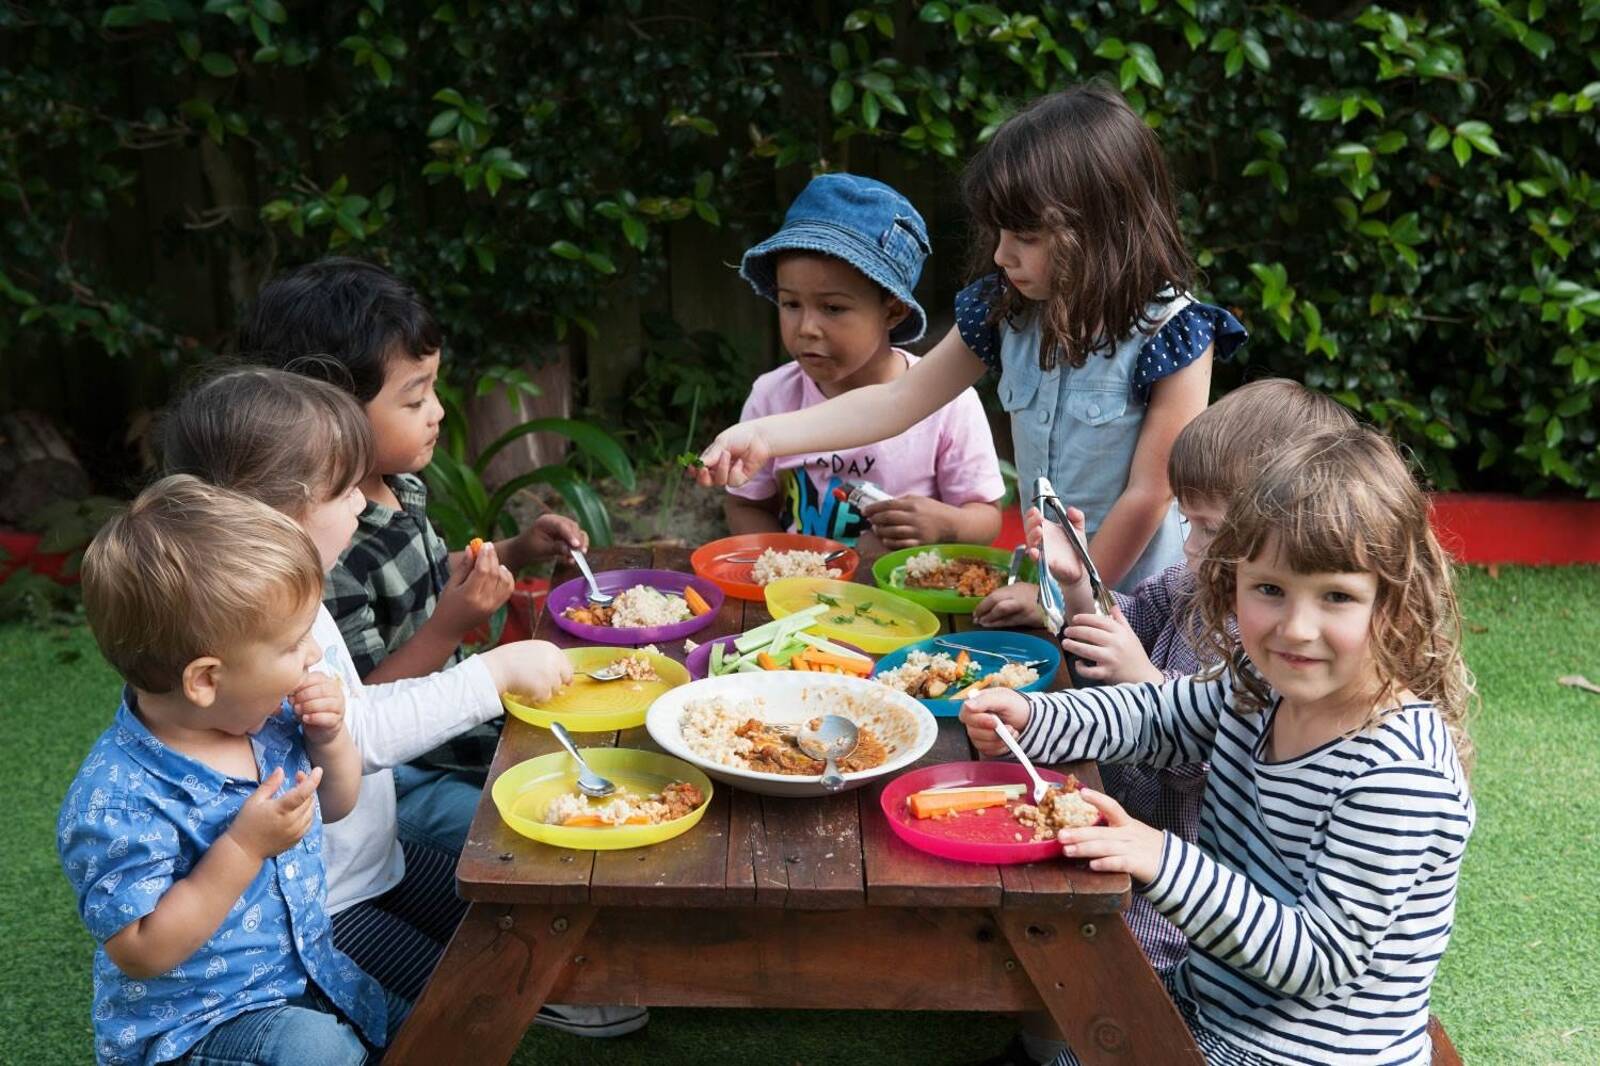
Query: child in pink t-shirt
841, 271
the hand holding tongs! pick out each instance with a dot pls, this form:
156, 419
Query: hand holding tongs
1051, 599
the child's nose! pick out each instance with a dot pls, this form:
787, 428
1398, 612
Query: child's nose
1300, 623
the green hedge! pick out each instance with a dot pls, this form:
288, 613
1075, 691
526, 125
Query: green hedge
1400, 204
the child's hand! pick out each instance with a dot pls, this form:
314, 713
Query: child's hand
536, 669
1064, 562
553, 535
476, 590
268, 825
907, 521
1111, 651
319, 704
984, 710
1124, 845
1010, 607
737, 454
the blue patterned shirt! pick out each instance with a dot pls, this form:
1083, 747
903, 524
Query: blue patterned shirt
137, 818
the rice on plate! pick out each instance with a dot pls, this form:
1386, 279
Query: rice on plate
702, 722
772, 565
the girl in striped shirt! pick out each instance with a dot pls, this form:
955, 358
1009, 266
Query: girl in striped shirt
1320, 894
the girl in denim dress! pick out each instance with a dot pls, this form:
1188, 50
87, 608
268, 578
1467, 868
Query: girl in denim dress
1103, 356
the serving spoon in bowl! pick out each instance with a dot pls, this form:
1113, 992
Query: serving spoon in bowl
834, 739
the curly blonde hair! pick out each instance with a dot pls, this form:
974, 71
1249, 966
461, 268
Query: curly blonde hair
1344, 501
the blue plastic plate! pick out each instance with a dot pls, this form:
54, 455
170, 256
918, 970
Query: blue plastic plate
1016, 645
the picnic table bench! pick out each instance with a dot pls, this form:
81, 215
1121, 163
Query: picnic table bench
779, 903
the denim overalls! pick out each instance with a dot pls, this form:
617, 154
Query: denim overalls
1079, 427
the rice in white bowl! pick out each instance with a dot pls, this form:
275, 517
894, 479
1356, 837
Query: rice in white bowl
708, 725
772, 565
642, 606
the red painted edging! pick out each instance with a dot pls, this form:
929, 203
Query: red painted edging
21, 550
1480, 528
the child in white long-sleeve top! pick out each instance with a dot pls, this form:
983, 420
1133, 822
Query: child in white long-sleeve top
302, 447
1320, 894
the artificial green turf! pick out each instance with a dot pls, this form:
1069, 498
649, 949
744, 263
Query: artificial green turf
1519, 985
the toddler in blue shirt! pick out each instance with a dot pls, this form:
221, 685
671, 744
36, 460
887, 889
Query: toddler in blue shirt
192, 834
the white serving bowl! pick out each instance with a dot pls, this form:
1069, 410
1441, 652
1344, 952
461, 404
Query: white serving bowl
904, 725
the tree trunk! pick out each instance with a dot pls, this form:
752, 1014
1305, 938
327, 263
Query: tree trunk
491, 415
36, 467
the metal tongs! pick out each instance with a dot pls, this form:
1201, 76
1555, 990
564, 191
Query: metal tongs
1051, 599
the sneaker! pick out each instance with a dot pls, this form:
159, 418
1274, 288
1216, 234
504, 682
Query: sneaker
596, 1022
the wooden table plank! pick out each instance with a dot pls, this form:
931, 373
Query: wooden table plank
899, 875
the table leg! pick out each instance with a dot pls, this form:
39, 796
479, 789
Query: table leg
492, 979
1099, 988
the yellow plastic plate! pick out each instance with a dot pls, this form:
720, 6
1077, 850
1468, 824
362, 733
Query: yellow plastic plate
874, 620
590, 706
523, 793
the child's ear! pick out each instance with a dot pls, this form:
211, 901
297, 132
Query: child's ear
895, 311
200, 680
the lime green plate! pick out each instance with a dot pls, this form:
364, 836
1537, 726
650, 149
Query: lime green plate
873, 620
523, 793
590, 706
890, 573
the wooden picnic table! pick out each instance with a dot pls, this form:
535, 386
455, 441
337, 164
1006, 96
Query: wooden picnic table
779, 903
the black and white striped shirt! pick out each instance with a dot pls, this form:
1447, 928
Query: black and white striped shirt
1320, 896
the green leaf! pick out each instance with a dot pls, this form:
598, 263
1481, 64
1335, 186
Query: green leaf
1462, 150
1256, 52
1145, 62
218, 65
443, 123
877, 82
600, 262
567, 250
870, 110
841, 96
936, 12
1438, 137
382, 70
634, 232
1111, 48
594, 441
1480, 136
272, 11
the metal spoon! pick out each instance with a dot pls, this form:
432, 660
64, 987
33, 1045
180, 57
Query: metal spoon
589, 782
834, 738
596, 597
614, 672
953, 646
1040, 785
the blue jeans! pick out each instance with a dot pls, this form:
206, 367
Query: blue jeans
435, 807
295, 1034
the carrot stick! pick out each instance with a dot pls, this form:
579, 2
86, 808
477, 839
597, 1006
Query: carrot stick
929, 804
822, 658
962, 660
766, 661
594, 821
697, 604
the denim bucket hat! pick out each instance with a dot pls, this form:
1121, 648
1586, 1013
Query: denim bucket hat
862, 221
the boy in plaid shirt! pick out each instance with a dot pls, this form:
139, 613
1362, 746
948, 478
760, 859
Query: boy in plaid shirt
402, 600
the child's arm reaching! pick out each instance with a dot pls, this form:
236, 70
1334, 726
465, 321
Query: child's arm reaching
193, 907
550, 536
850, 420
1161, 725
319, 704
1134, 518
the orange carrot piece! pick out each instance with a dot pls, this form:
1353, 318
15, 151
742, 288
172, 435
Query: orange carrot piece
857, 667
474, 546
931, 804
962, 660
799, 663
697, 604
593, 821
766, 661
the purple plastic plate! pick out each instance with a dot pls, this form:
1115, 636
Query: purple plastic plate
576, 593
699, 660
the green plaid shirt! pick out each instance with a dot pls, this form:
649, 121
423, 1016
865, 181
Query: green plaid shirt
385, 586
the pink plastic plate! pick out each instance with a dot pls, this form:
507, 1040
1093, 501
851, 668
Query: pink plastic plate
986, 836
576, 592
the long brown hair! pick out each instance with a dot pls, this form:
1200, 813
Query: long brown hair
1080, 168
1344, 501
